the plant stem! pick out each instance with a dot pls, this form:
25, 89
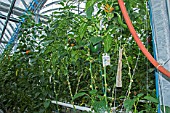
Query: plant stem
130, 75
91, 74
78, 83
105, 82
135, 106
69, 86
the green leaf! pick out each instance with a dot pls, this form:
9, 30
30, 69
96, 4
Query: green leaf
120, 21
61, 3
78, 95
128, 104
89, 12
140, 95
46, 103
89, 8
107, 43
100, 106
89, 3
46, 43
95, 40
150, 98
151, 70
143, 111
122, 97
82, 30
93, 92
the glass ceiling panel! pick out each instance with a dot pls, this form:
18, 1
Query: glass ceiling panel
2, 49
3, 13
2, 22
7, 36
27, 2
6, 1
19, 4
49, 7
2, 45
4, 8
19, 9
11, 26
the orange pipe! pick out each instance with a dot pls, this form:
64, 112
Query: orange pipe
138, 41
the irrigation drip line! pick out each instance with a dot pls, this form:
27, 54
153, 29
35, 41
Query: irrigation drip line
138, 41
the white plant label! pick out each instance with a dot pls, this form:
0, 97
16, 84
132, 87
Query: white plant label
106, 59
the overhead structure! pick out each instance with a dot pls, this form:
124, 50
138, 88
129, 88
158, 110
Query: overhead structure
11, 10
7, 18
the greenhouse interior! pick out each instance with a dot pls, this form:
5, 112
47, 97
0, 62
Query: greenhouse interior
84, 56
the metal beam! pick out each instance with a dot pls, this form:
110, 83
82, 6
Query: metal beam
10, 19
25, 5
12, 27
5, 42
55, 2
2, 45
7, 19
41, 4
1, 49
5, 39
17, 11
50, 10
7, 6
9, 1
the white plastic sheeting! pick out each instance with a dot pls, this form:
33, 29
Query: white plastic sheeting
161, 36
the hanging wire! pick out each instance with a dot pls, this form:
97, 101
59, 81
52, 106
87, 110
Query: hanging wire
147, 46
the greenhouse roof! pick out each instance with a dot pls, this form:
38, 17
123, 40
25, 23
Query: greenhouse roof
12, 10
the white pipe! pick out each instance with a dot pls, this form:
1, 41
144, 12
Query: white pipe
71, 106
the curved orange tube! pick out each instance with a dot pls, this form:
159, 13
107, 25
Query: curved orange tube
138, 41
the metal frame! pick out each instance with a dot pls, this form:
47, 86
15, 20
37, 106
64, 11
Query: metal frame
4, 7
25, 5
10, 19
17, 11
7, 19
